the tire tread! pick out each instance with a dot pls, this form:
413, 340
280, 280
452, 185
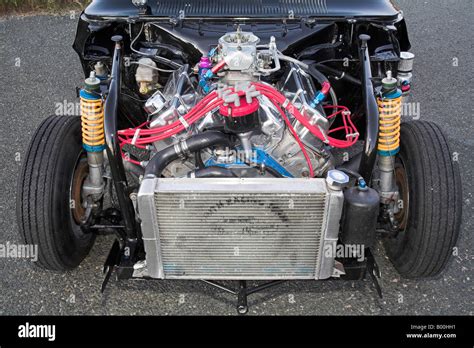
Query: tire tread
35, 192
436, 203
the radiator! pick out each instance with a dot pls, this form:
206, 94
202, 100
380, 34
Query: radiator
231, 228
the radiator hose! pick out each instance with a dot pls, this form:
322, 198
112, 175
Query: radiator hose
212, 172
184, 148
340, 75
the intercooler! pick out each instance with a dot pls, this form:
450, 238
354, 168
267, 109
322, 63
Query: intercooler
231, 228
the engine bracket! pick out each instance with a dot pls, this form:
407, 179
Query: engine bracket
243, 292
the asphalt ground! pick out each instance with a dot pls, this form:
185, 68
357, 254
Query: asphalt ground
39, 69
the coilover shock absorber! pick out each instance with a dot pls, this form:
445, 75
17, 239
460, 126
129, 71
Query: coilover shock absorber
92, 115
390, 110
93, 139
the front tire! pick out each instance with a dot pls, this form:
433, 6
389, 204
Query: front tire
433, 212
46, 212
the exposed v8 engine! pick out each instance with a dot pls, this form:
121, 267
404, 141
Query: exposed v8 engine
228, 93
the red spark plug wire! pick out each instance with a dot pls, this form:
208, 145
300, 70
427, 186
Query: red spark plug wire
199, 106
298, 140
278, 98
140, 137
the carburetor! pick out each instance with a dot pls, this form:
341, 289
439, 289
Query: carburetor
239, 51
243, 60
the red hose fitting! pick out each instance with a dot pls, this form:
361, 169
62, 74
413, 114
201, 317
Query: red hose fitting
326, 86
216, 68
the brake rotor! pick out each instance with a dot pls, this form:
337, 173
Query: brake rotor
401, 180
80, 174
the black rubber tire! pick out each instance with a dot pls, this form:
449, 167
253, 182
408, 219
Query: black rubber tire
43, 195
423, 249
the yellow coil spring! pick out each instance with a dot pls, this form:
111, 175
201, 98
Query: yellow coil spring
390, 118
92, 117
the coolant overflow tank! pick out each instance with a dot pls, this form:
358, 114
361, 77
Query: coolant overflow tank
360, 213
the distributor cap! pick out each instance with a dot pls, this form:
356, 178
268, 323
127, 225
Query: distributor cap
239, 109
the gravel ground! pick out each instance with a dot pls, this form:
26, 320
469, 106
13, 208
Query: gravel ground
39, 69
